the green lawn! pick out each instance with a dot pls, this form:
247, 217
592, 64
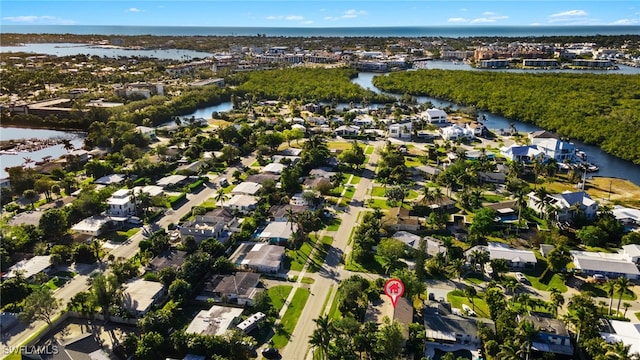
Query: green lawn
334, 225
67, 274
492, 198
278, 295
369, 150
334, 311
210, 203
354, 180
321, 253
373, 265
637, 315
599, 291
299, 257
457, 298
290, 318
377, 191
120, 236
554, 282
307, 280
474, 278
348, 192
410, 161
378, 203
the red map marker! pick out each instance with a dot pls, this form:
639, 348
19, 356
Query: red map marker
394, 288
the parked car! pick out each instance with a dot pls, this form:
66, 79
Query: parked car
520, 276
271, 353
599, 278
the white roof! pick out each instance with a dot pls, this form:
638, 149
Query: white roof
627, 332
30, 267
632, 250
140, 294
275, 168
241, 200
408, 238
247, 187
433, 112
91, 224
503, 251
625, 213
278, 230
110, 179
121, 193
604, 262
215, 321
170, 180
152, 190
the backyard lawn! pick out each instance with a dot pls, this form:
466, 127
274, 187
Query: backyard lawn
120, 235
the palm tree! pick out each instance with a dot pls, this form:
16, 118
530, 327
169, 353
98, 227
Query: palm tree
68, 146
556, 299
470, 292
526, 333
521, 202
551, 213
610, 288
618, 350
541, 201
292, 218
525, 300
321, 337
220, 196
457, 267
626, 307
622, 285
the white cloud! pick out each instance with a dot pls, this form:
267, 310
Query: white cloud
626, 22
489, 18
42, 20
306, 22
483, 21
457, 20
349, 14
570, 13
294, 18
133, 10
287, 18
274, 17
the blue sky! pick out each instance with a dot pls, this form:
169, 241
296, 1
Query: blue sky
314, 13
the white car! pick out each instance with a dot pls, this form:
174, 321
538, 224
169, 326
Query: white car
520, 276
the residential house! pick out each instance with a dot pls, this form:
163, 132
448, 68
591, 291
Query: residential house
568, 204
291, 152
289, 159
261, 178
238, 288
215, 321
632, 253
398, 219
629, 217
433, 246
609, 264
347, 130
522, 153
171, 258
273, 168
402, 312
555, 149
456, 132
246, 188
29, 267
516, 258
493, 177
232, 223
280, 212
622, 331
278, 232
552, 336
260, 257
93, 226
147, 131
121, 204
435, 116
298, 199
365, 122
203, 227
322, 172
85, 346
477, 128
447, 332
192, 168
111, 179
140, 295
241, 203
400, 131
172, 181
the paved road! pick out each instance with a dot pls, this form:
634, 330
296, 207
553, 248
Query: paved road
329, 276
20, 333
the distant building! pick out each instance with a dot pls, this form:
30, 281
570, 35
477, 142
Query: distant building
139, 90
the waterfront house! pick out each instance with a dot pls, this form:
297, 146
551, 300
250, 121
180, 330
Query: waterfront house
435, 116
400, 131
522, 153
568, 205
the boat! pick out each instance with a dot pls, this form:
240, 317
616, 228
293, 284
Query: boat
592, 168
581, 154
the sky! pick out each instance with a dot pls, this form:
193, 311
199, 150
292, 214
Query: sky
316, 13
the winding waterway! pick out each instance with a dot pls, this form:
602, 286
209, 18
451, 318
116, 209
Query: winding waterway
610, 166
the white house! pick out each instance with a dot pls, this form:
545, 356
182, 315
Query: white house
277, 231
400, 131
260, 257
121, 204
522, 153
30, 267
609, 264
203, 227
555, 149
347, 130
565, 205
215, 321
242, 203
93, 225
435, 116
477, 128
516, 258
456, 132
273, 168
246, 188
